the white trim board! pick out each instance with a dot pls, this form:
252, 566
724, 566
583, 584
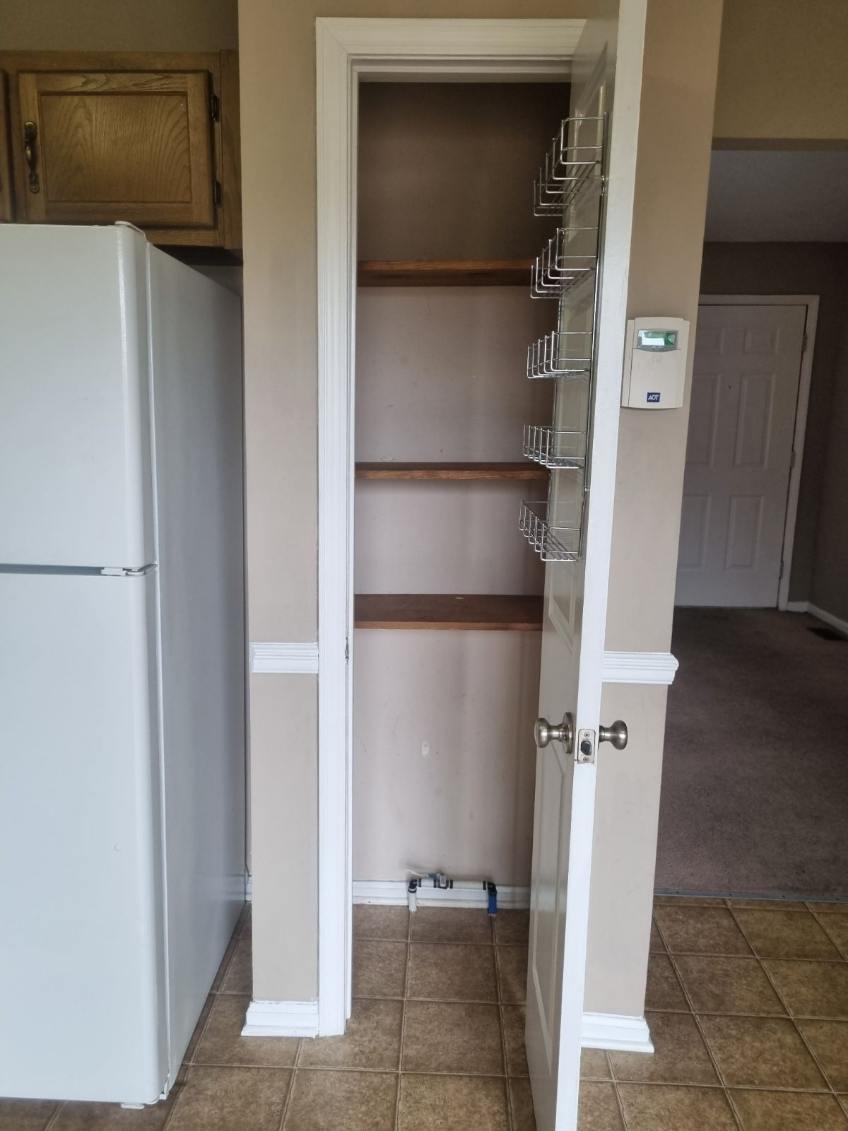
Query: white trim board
616, 1032
392, 893
346, 51
820, 614
284, 659
805, 378
300, 1019
281, 1019
639, 667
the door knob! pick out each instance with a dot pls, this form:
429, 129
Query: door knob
616, 734
544, 732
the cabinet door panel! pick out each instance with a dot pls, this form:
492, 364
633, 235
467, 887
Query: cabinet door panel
112, 146
6, 197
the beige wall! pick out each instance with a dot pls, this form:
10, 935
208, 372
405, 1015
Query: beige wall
829, 589
668, 227
782, 72
444, 754
817, 269
118, 25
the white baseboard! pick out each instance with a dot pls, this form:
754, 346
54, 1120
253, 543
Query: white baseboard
392, 893
281, 1019
616, 1032
820, 614
828, 618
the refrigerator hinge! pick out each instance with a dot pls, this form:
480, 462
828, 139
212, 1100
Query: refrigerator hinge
119, 571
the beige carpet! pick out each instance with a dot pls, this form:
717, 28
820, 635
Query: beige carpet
755, 780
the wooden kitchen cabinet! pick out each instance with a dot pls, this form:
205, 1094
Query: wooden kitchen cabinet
152, 139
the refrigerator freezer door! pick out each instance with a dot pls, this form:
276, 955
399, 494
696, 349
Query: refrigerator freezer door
75, 481
82, 969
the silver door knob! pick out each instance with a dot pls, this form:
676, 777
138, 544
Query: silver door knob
616, 734
545, 732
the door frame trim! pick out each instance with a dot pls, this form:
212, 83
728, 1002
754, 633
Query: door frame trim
811, 302
347, 50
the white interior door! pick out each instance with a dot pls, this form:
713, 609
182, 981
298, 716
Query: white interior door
576, 597
739, 454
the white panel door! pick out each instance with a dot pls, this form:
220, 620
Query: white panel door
75, 483
576, 598
739, 454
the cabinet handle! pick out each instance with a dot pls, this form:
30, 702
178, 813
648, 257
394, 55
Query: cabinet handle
31, 155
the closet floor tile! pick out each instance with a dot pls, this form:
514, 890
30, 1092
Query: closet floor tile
785, 934
764, 1052
379, 968
328, 1101
372, 1039
452, 1103
788, 1111
450, 925
512, 974
452, 972
452, 1037
375, 922
222, 1043
699, 930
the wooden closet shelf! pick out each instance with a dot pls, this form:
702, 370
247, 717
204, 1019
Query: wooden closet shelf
443, 272
425, 470
447, 611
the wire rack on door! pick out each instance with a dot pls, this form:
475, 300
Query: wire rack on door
553, 543
555, 448
561, 353
569, 168
570, 186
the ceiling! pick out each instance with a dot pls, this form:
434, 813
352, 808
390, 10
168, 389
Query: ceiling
778, 195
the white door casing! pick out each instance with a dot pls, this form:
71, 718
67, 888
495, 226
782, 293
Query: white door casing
575, 607
739, 456
349, 50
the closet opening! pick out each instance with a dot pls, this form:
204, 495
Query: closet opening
448, 605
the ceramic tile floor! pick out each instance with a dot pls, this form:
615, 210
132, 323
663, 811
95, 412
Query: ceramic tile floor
747, 1004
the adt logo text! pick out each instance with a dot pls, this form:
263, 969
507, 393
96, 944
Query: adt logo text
653, 398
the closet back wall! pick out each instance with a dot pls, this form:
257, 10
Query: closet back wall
443, 746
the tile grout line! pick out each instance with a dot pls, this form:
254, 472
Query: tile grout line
53, 1117
409, 915
507, 1085
688, 997
290, 1091
821, 918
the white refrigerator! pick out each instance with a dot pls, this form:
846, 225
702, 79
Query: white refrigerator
122, 764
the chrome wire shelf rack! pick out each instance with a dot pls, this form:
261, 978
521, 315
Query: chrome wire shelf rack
568, 168
556, 270
551, 543
554, 448
562, 353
